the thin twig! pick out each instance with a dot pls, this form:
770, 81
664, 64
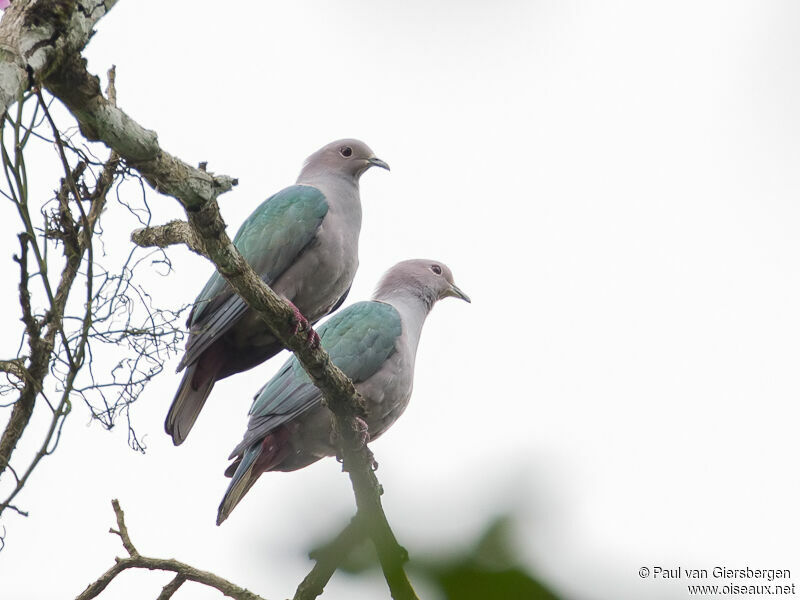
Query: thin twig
122, 532
16, 510
117, 296
137, 561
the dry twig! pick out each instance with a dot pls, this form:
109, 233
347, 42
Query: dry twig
183, 572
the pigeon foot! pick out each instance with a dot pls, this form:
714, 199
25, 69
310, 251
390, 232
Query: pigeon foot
300, 323
362, 437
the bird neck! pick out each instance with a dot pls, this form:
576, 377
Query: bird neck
413, 307
322, 176
341, 194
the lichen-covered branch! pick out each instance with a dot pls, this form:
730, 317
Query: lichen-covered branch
184, 572
101, 120
169, 234
35, 35
15, 367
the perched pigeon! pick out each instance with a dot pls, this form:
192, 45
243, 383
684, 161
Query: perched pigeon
303, 241
375, 344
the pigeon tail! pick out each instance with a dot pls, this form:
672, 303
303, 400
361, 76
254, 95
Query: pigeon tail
196, 385
242, 481
259, 458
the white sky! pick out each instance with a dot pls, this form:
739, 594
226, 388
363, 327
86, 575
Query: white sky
615, 185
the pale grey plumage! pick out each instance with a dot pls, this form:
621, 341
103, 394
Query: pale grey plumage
375, 344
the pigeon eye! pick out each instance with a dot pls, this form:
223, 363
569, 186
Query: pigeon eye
436, 269
346, 151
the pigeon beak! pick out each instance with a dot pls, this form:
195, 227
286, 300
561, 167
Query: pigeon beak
377, 162
455, 292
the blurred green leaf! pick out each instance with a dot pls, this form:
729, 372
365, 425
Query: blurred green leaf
487, 571
361, 558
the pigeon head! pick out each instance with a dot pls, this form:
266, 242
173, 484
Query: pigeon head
431, 280
347, 157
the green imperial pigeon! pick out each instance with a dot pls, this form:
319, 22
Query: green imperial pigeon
303, 241
375, 344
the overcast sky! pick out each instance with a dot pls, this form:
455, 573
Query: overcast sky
615, 185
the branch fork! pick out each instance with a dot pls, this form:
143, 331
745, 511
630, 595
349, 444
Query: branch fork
183, 572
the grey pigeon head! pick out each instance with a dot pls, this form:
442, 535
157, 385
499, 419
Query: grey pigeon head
347, 157
430, 280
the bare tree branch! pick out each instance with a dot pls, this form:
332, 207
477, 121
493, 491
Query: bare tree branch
169, 234
100, 120
36, 34
59, 339
42, 332
137, 561
122, 532
15, 367
16, 510
172, 587
40, 344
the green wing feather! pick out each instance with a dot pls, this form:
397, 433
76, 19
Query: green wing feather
270, 240
359, 340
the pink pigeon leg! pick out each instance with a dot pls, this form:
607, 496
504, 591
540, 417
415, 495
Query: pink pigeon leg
301, 324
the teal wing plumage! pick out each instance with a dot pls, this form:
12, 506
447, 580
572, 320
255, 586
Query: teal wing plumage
270, 240
359, 339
